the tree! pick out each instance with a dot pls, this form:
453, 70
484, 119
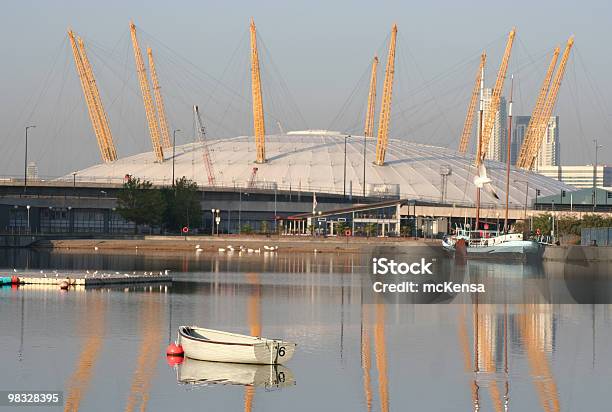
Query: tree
247, 229
138, 202
183, 207
544, 223
341, 228
370, 228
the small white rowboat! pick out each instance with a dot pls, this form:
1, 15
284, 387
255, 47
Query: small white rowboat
218, 346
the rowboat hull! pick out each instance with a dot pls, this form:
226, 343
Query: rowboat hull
217, 346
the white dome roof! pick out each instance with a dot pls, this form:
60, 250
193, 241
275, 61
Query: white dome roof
311, 162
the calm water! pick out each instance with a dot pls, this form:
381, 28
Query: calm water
105, 348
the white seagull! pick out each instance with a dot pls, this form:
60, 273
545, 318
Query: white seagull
483, 182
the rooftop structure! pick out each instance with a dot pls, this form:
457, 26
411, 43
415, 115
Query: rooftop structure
315, 163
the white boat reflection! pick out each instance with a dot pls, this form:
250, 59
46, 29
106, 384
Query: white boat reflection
197, 372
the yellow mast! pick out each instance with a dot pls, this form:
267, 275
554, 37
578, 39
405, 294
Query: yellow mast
495, 99
469, 118
258, 113
89, 100
159, 103
537, 110
369, 122
385, 108
551, 99
109, 146
146, 97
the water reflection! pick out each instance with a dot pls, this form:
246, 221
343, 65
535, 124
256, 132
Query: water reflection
92, 322
197, 373
151, 332
468, 356
254, 316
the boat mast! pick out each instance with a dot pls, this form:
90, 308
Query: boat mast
479, 143
509, 139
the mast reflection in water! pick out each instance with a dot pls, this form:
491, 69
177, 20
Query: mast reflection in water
105, 347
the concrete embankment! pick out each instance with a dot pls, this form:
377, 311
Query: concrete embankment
578, 253
209, 244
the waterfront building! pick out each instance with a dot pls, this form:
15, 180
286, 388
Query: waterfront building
579, 176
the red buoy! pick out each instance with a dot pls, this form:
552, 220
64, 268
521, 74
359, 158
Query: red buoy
175, 350
14, 280
174, 360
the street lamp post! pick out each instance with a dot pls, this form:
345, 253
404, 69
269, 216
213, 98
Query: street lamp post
74, 183
217, 220
345, 139
28, 207
212, 230
25, 162
597, 147
174, 151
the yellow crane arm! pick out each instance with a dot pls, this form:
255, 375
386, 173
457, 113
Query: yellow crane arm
89, 99
469, 117
109, 146
258, 113
369, 122
385, 107
146, 97
537, 111
495, 98
551, 99
159, 103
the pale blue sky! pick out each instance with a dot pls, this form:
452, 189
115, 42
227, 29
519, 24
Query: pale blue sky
320, 48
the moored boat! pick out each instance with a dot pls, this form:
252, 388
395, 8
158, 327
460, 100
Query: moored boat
219, 346
492, 245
